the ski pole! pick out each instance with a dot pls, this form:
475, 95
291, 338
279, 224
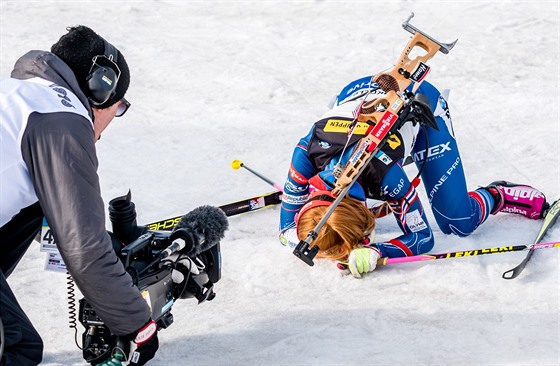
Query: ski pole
236, 164
468, 253
549, 220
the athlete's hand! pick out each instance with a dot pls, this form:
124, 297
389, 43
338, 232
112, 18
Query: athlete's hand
362, 260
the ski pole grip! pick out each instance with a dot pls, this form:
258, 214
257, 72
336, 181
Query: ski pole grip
306, 254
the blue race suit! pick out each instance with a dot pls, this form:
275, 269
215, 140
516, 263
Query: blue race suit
455, 209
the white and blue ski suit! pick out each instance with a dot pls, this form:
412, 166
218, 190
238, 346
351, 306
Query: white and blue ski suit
456, 210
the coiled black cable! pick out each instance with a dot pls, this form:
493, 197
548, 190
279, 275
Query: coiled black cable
72, 307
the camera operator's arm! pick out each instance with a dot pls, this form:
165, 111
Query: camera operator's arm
59, 152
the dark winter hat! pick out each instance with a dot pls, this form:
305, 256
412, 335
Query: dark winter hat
77, 48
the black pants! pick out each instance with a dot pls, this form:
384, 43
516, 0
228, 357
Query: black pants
22, 344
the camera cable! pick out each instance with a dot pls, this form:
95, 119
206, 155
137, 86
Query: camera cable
72, 307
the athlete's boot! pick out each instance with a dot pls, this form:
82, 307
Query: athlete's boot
518, 199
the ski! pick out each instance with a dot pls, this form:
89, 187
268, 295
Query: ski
252, 204
549, 220
230, 209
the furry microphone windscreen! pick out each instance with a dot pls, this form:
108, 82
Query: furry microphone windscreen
208, 224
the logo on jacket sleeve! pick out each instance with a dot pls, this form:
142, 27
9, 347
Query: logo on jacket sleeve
296, 176
291, 199
294, 188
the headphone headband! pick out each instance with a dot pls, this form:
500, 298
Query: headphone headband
110, 51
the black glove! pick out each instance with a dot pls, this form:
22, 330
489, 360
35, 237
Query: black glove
147, 343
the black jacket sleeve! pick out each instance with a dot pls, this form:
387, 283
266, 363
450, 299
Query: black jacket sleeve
59, 151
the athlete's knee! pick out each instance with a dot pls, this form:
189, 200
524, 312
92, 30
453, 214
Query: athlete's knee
460, 228
426, 242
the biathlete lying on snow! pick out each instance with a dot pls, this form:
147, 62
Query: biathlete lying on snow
347, 235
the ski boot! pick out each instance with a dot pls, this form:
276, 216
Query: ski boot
518, 199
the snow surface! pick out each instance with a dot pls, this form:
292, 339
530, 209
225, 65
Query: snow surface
217, 81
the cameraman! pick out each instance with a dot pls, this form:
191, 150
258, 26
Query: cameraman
53, 110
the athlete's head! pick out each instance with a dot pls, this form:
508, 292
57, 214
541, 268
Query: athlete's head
343, 231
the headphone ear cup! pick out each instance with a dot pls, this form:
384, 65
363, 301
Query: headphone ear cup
102, 83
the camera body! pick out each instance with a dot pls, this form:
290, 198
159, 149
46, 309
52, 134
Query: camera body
140, 250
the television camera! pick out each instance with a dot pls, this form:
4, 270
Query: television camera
164, 265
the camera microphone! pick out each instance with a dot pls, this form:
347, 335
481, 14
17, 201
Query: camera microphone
178, 243
207, 224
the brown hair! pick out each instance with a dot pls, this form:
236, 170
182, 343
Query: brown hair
345, 228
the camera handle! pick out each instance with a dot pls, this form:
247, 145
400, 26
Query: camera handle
129, 252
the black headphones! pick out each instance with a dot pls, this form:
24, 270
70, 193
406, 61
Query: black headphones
103, 75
